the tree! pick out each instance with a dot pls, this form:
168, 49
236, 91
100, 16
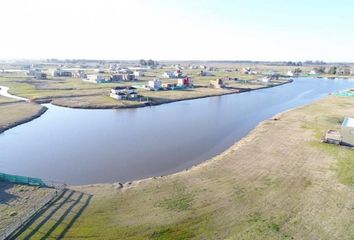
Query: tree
150, 63
332, 70
142, 62
297, 70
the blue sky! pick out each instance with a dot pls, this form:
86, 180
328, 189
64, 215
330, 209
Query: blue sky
178, 29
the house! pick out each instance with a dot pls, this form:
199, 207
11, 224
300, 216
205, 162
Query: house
81, 74
177, 74
33, 71
290, 74
266, 79
125, 71
168, 74
116, 77
129, 77
155, 84
169, 86
40, 75
218, 83
95, 78
347, 131
139, 73
185, 82
99, 70
343, 71
249, 71
313, 72
124, 93
62, 73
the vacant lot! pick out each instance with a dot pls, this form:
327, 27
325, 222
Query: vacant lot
279, 182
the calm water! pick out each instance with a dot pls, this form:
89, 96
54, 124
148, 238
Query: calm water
93, 146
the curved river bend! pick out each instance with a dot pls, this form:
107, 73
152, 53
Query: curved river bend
94, 146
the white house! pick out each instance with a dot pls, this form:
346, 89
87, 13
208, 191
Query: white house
290, 74
139, 73
168, 74
313, 72
95, 78
124, 93
155, 84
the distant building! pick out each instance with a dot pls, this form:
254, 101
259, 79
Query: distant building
266, 79
116, 77
99, 70
249, 71
40, 75
185, 82
33, 71
139, 73
168, 74
218, 83
347, 131
169, 86
129, 77
155, 84
124, 93
343, 71
313, 72
290, 74
62, 73
95, 78
81, 74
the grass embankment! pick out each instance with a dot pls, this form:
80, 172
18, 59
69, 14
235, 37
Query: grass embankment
16, 113
279, 182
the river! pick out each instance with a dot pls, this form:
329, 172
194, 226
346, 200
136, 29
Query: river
80, 146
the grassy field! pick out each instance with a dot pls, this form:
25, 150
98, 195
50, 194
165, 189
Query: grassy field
280, 182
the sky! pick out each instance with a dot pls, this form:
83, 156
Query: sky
272, 30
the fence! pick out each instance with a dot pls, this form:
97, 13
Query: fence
25, 218
59, 188
21, 180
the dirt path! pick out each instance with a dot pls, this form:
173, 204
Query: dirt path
4, 92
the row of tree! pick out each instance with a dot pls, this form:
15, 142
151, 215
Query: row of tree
150, 62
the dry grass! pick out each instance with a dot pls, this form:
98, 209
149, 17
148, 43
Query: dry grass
18, 200
277, 183
15, 113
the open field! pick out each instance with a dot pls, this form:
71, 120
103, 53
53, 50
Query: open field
15, 113
279, 182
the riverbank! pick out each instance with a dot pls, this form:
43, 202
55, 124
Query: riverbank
155, 97
279, 182
16, 113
